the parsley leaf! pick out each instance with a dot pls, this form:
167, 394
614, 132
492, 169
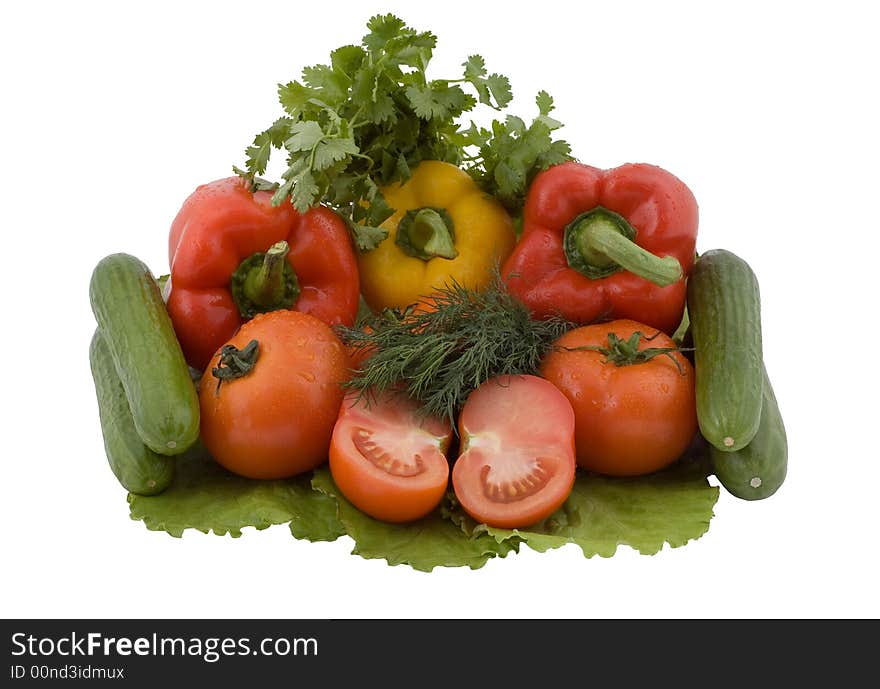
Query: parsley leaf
305, 136
331, 151
438, 100
294, 97
347, 60
512, 153
474, 67
305, 190
499, 86
367, 237
258, 153
382, 30
544, 102
494, 87
371, 115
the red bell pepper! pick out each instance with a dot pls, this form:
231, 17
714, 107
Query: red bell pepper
234, 255
603, 244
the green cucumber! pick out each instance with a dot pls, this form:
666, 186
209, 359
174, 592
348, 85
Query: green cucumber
757, 470
135, 324
138, 468
724, 307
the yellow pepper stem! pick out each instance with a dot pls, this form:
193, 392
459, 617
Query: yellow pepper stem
427, 233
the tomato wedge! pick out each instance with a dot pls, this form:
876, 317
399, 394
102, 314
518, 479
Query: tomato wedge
387, 459
517, 461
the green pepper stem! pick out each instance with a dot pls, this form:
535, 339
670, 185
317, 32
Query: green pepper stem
603, 239
265, 286
426, 233
265, 282
600, 242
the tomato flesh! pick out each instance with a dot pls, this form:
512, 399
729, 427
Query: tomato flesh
388, 460
517, 460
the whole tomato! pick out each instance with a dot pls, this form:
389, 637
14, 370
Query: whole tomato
633, 397
271, 414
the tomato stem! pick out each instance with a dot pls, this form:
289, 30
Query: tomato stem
235, 363
627, 353
601, 242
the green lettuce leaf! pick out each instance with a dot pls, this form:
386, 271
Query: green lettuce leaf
673, 506
206, 497
433, 541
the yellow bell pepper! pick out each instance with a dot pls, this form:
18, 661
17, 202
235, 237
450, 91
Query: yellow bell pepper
444, 227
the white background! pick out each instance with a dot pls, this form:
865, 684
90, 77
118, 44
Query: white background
113, 113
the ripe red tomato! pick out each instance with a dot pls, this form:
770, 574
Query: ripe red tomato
631, 419
516, 465
276, 420
388, 460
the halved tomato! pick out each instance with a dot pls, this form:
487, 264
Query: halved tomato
387, 459
517, 462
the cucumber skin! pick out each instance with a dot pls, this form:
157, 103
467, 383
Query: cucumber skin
766, 457
725, 312
137, 467
138, 332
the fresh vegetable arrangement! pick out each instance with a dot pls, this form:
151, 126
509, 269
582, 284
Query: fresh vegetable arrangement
442, 340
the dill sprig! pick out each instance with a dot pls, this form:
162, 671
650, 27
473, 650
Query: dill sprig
439, 356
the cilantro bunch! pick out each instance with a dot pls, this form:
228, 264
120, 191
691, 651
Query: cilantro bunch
371, 115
